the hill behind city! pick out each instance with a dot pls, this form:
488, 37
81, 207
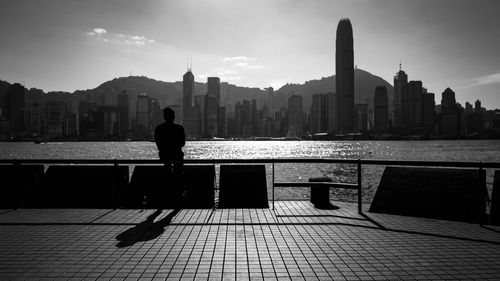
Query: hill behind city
169, 93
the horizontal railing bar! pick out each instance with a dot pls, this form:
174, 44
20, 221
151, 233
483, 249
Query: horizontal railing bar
269, 161
316, 184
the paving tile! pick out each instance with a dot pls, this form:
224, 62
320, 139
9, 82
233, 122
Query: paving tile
294, 241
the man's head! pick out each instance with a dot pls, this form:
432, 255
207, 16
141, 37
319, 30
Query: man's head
169, 114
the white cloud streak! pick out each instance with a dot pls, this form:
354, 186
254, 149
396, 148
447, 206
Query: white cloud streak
486, 80
225, 74
238, 58
101, 34
100, 31
232, 69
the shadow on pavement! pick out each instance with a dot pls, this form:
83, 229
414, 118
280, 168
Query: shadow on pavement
146, 230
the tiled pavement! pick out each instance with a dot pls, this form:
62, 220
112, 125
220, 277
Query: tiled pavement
295, 241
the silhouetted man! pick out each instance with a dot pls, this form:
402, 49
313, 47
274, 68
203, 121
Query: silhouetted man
170, 139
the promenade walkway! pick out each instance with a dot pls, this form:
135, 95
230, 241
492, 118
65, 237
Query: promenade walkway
295, 241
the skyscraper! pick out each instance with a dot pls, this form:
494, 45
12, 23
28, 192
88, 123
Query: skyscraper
412, 106
15, 109
344, 75
36, 119
400, 80
189, 116
123, 106
213, 87
361, 117
295, 116
187, 95
381, 107
211, 111
55, 118
322, 110
449, 119
212, 101
143, 109
315, 113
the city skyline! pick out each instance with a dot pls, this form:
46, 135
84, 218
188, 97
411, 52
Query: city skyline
80, 45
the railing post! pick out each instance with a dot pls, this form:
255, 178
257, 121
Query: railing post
273, 184
482, 184
360, 194
115, 184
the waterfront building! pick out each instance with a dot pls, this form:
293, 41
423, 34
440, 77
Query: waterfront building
449, 119
429, 114
36, 119
473, 118
332, 112
254, 118
322, 113
123, 107
85, 118
412, 107
15, 109
295, 116
400, 81
211, 111
55, 119
212, 102
361, 117
221, 122
187, 94
199, 105
72, 124
477, 106
314, 124
106, 119
232, 128
344, 75
381, 108
156, 113
188, 116
213, 87
243, 116
474, 123
468, 108
4, 128
176, 108
142, 118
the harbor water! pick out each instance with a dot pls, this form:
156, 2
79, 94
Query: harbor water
442, 150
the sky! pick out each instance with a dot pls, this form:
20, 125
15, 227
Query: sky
69, 45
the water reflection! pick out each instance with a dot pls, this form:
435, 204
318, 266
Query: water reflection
458, 150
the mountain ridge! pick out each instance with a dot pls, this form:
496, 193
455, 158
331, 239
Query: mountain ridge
169, 93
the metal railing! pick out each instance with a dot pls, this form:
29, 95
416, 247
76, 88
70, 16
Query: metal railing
358, 162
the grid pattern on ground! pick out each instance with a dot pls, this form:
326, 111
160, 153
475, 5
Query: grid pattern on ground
295, 241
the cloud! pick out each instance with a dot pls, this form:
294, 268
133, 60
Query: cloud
243, 62
238, 58
256, 66
225, 74
484, 80
246, 65
232, 69
135, 40
487, 79
100, 31
101, 34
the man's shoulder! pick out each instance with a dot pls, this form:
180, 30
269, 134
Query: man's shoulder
162, 125
167, 126
177, 126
